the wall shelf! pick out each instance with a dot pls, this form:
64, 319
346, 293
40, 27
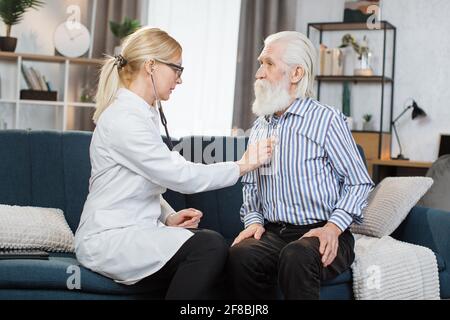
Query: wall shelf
378, 79
69, 87
42, 102
46, 58
81, 104
345, 26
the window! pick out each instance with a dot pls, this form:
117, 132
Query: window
208, 32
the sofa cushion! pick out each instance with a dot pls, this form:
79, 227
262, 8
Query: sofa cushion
438, 195
77, 170
389, 204
342, 278
441, 262
57, 272
220, 207
15, 168
220, 210
47, 175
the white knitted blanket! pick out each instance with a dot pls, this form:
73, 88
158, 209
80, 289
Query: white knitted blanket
388, 269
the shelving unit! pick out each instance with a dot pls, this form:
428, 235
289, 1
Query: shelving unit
371, 141
377, 79
68, 87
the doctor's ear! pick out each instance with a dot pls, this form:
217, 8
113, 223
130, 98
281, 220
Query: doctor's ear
150, 66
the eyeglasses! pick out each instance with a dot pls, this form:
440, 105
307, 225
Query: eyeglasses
178, 69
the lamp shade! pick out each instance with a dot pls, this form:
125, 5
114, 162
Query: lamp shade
417, 111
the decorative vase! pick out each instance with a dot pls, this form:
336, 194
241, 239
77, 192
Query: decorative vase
363, 67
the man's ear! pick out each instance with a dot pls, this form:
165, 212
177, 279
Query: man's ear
297, 74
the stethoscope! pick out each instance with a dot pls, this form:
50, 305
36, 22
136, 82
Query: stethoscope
161, 114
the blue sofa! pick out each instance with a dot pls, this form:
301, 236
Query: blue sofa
52, 169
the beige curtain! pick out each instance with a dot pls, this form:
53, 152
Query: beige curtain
104, 43
259, 18
115, 10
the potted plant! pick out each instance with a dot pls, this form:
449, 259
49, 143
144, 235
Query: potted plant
367, 125
11, 12
124, 29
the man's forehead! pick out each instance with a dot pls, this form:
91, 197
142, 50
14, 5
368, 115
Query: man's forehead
272, 50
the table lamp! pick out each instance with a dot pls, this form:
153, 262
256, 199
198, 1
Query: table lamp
416, 113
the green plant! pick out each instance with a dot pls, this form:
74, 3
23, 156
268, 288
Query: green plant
12, 11
124, 29
367, 117
349, 40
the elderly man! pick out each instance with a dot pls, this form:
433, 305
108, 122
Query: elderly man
298, 209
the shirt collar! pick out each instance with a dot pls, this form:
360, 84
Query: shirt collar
138, 102
299, 107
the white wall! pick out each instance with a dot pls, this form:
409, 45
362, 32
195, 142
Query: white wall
208, 32
422, 68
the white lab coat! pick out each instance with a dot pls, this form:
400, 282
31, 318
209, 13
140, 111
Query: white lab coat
121, 233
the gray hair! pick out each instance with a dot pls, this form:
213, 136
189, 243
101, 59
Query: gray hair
299, 51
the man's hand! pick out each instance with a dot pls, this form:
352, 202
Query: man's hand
254, 230
187, 218
329, 241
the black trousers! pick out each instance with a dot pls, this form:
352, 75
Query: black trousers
257, 267
195, 272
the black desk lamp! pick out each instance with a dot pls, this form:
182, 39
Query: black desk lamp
416, 113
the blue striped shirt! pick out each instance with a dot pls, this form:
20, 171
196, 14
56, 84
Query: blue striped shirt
316, 172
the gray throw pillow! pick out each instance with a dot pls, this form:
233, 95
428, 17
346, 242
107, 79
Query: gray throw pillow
438, 196
34, 228
389, 204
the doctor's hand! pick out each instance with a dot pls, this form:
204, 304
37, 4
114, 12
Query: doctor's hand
187, 218
257, 154
329, 241
255, 230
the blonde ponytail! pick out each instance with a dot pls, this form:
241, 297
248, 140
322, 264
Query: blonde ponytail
108, 85
141, 46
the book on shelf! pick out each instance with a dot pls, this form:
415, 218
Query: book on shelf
38, 78
28, 77
34, 79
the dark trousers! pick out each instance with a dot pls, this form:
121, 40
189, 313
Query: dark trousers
257, 267
195, 272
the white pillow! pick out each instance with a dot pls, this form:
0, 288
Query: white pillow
34, 228
389, 204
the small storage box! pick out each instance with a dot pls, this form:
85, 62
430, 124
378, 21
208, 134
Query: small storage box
38, 95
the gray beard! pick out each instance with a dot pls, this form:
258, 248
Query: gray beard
270, 99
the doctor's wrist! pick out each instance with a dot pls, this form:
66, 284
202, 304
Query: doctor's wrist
169, 218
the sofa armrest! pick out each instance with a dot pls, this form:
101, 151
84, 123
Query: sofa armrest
429, 228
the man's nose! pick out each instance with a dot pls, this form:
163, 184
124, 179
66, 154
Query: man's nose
260, 74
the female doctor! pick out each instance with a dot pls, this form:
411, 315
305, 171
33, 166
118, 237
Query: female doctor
127, 231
